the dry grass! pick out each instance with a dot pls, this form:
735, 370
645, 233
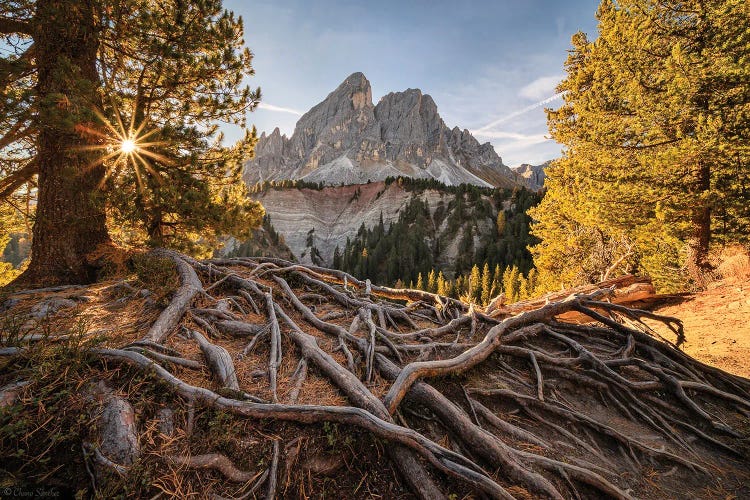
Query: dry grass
733, 263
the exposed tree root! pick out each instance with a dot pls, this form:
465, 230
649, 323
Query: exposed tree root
215, 461
530, 405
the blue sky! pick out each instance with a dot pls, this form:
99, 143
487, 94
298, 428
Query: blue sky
487, 64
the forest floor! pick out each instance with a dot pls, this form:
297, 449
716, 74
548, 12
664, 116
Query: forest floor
289, 381
717, 324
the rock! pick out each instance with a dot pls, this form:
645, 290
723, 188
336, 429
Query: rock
336, 213
165, 417
120, 288
9, 393
346, 139
323, 464
51, 306
117, 431
532, 176
144, 293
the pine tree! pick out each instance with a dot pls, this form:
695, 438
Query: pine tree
432, 282
654, 140
420, 282
528, 286
442, 285
72, 74
459, 286
486, 284
497, 281
336, 258
511, 284
500, 223
475, 284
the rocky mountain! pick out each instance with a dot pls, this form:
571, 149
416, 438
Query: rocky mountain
459, 223
532, 176
347, 139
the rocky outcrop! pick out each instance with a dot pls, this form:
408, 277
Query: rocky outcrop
532, 175
324, 219
346, 139
314, 222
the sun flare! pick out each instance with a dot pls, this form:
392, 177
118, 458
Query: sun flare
123, 145
128, 146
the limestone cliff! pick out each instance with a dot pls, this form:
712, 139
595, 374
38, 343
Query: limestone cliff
532, 175
324, 219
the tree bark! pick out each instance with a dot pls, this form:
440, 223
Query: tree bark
699, 240
70, 217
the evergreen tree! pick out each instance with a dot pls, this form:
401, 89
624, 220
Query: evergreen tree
420, 282
459, 288
528, 286
655, 141
497, 281
79, 80
486, 284
500, 223
475, 284
337, 258
511, 284
432, 282
442, 285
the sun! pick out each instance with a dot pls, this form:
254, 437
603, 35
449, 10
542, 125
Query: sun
122, 145
128, 146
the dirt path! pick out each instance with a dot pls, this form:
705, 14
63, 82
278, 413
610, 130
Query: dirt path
717, 325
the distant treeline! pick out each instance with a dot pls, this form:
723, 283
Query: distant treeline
407, 183
407, 252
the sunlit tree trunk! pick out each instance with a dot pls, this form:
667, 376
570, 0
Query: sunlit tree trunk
70, 217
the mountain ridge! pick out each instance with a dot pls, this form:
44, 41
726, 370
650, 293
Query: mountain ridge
347, 139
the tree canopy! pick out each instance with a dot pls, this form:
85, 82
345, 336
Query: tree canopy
80, 81
657, 141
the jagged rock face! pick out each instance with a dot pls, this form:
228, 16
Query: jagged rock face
346, 139
325, 218
333, 213
532, 175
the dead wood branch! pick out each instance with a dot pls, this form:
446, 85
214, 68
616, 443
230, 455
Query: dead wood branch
215, 461
189, 288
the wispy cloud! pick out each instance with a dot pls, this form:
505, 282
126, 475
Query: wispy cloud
542, 86
279, 109
515, 138
483, 131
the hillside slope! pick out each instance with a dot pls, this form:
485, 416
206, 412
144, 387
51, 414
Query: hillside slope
458, 224
257, 376
717, 324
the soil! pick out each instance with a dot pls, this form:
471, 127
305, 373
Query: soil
717, 324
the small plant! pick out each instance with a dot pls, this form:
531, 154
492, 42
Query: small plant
332, 433
157, 274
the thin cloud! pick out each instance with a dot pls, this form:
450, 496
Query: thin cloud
514, 138
482, 131
279, 109
540, 87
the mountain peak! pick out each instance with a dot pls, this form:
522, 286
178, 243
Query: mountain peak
356, 89
358, 79
345, 138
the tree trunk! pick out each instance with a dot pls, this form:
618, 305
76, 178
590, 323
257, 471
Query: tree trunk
70, 216
699, 240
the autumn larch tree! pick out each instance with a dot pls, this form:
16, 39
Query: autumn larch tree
656, 138
80, 78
